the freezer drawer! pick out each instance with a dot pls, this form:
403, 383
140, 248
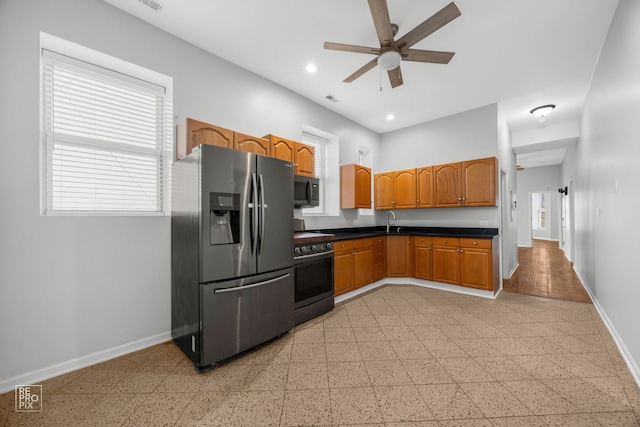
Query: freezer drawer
240, 314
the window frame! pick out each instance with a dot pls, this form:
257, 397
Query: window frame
159, 155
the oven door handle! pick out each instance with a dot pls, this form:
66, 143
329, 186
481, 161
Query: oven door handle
312, 255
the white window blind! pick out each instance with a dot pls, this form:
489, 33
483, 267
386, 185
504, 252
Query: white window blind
319, 144
105, 138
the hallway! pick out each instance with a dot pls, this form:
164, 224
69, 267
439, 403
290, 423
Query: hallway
544, 271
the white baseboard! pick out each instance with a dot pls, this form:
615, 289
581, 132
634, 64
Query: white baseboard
42, 374
626, 355
513, 270
416, 282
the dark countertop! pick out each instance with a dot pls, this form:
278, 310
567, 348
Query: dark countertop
300, 237
362, 232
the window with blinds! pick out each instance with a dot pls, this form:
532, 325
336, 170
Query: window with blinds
106, 140
319, 144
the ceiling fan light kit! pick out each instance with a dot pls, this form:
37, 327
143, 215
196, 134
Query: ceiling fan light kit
389, 60
391, 52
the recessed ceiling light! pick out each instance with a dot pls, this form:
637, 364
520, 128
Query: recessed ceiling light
390, 117
311, 68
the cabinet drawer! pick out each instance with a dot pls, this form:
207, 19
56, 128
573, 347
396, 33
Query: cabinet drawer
343, 245
363, 243
379, 270
380, 240
475, 243
379, 253
446, 241
422, 240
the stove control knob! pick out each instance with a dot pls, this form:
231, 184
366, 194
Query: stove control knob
296, 250
314, 247
329, 245
303, 249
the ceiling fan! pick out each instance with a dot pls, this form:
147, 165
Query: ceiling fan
391, 52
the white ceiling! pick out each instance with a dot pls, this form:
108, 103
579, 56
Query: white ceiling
521, 54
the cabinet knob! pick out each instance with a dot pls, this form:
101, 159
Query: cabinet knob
444, 241
429, 248
463, 198
475, 243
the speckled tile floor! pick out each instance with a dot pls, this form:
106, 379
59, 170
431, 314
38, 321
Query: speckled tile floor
398, 356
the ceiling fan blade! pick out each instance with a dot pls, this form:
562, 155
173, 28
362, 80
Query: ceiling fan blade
382, 21
351, 48
360, 71
433, 56
395, 77
437, 21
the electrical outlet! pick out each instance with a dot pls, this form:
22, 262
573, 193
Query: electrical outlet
484, 222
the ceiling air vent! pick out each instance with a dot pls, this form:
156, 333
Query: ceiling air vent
152, 4
519, 168
332, 98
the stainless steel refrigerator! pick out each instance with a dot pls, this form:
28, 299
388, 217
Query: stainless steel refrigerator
232, 284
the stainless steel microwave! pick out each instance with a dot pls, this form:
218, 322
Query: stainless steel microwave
306, 192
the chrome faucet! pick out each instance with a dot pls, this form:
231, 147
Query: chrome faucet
394, 217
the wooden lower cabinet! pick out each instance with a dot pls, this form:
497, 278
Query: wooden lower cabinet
458, 261
352, 264
422, 258
465, 262
399, 256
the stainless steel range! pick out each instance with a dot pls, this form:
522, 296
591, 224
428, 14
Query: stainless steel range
313, 266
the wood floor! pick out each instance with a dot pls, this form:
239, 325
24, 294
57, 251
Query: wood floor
545, 271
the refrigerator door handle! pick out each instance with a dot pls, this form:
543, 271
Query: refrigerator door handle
255, 285
254, 214
263, 213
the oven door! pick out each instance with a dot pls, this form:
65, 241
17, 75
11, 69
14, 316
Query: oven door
313, 278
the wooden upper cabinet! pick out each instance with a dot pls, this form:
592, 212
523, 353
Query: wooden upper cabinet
424, 178
383, 190
251, 144
305, 160
282, 148
191, 133
404, 189
479, 182
355, 187
301, 155
447, 185
395, 190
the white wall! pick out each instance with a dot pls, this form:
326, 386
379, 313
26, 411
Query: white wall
74, 290
606, 234
544, 179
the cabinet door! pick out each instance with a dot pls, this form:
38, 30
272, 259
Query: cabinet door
475, 268
399, 256
191, 133
342, 272
425, 187
422, 258
479, 182
363, 187
405, 189
383, 190
446, 264
305, 163
282, 148
362, 267
251, 144
448, 188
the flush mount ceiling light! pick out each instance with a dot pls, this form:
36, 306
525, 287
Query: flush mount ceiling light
389, 60
543, 110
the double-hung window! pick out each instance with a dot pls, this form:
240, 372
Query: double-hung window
106, 140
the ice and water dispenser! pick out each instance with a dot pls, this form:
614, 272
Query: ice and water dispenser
224, 218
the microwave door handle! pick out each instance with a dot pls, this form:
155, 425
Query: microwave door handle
254, 213
309, 191
263, 213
